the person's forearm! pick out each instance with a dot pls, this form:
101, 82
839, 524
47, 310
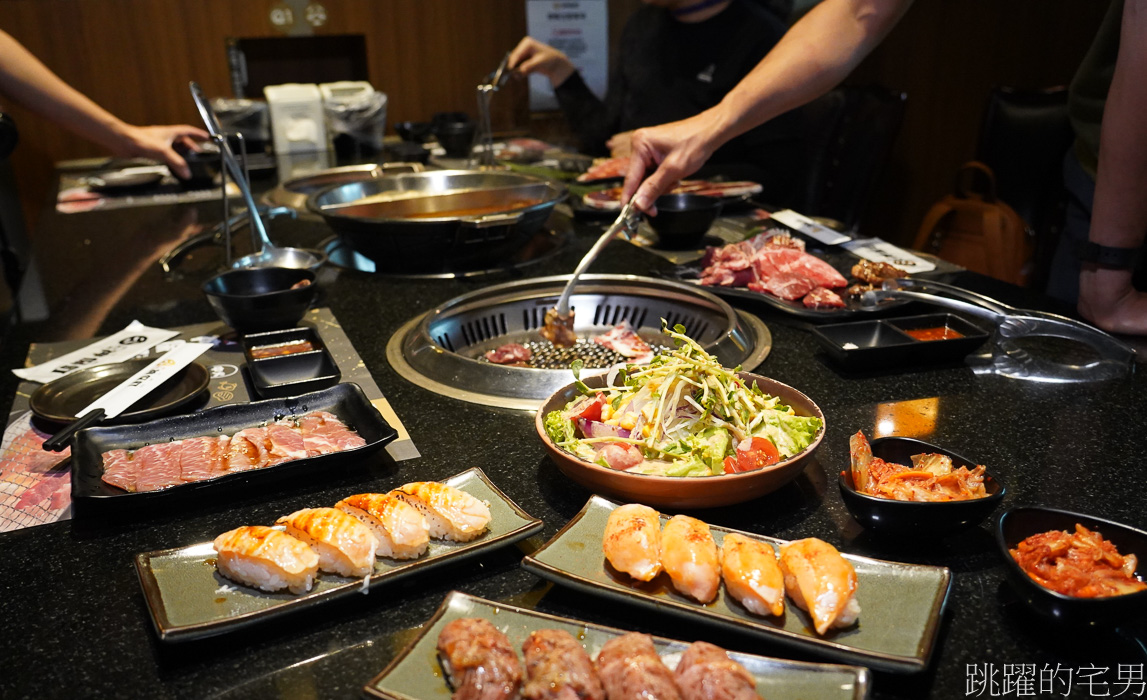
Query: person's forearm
814, 56
30, 84
1119, 215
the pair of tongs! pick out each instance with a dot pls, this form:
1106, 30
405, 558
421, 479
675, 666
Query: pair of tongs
1011, 323
500, 75
626, 222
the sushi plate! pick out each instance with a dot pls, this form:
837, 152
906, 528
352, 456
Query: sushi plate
346, 401
189, 599
415, 672
900, 604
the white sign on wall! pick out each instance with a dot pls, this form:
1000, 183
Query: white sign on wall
580, 30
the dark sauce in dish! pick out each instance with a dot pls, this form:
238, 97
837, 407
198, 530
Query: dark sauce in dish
291, 348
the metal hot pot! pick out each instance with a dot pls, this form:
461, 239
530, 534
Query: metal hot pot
440, 220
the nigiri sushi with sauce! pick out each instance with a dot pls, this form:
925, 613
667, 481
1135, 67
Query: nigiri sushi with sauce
705, 672
344, 545
267, 559
752, 574
690, 557
820, 581
632, 541
399, 528
451, 513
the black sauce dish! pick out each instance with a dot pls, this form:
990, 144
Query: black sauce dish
683, 219
1017, 524
915, 519
308, 366
261, 299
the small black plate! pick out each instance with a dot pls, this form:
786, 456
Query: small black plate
912, 519
346, 401
59, 400
291, 374
121, 182
879, 344
1018, 524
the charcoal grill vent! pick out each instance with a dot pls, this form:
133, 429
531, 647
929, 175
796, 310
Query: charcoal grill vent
442, 350
444, 340
484, 328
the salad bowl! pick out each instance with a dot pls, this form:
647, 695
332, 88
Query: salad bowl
683, 491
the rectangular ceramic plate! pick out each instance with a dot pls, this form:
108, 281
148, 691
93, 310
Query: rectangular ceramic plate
900, 604
415, 673
189, 599
346, 401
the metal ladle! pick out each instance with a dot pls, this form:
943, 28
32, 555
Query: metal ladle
268, 254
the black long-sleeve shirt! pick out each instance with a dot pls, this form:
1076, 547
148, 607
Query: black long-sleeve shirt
668, 70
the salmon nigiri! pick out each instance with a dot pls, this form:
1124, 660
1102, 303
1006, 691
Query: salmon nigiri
752, 574
265, 558
399, 528
821, 581
451, 513
689, 555
632, 541
344, 545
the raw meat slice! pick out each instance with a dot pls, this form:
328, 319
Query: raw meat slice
786, 285
285, 444
120, 469
623, 340
158, 466
199, 458
247, 450
821, 298
510, 354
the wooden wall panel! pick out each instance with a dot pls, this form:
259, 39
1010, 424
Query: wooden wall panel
135, 58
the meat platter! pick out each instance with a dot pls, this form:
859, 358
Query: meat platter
415, 672
346, 401
773, 267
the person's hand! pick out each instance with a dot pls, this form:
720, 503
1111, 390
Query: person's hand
1107, 299
156, 142
620, 145
532, 56
676, 149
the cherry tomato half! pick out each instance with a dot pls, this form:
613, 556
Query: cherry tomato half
761, 453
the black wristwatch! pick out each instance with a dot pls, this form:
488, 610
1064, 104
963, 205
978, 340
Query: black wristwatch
1108, 256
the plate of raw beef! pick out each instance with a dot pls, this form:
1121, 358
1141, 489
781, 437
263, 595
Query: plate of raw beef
256, 443
775, 268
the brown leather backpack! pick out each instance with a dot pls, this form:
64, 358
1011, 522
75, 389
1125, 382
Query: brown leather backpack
974, 229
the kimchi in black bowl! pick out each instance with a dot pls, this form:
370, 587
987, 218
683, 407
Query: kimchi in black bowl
917, 519
1018, 524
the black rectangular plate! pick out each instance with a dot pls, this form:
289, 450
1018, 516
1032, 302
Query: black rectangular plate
884, 343
346, 401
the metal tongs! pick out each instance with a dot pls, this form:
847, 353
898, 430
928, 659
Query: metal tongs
493, 81
1114, 358
626, 221
267, 255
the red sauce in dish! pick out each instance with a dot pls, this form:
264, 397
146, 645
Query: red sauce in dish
281, 349
935, 333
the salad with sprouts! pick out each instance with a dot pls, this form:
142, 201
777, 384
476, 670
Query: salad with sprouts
683, 414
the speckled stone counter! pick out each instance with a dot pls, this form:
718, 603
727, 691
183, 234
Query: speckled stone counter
75, 623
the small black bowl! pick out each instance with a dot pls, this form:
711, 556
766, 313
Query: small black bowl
914, 518
204, 163
261, 299
683, 219
406, 152
456, 137
414, 132
1018, 524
